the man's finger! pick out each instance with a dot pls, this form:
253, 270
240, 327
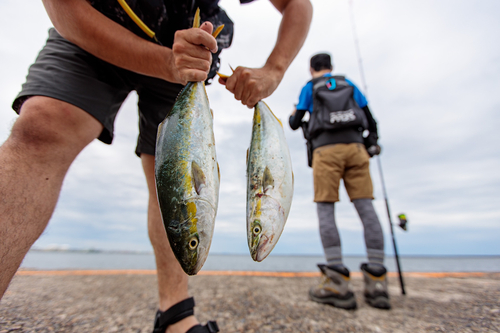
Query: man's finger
212, 43
201, 37
207, 26
193, 64
193, 53
222, 80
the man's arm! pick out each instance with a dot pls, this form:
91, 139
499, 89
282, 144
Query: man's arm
372, 124
295, 119
188, 60
304, 105
250, 85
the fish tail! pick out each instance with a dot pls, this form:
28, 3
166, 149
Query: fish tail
196, 21
217, 31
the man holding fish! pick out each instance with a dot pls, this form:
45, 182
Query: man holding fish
94, 57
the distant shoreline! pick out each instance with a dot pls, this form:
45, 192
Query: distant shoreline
99, 259
277, 255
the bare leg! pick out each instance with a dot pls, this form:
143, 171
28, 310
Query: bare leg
44, 141
172, 281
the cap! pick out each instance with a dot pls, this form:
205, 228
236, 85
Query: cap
321, 61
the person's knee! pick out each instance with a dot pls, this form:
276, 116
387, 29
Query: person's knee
48, 126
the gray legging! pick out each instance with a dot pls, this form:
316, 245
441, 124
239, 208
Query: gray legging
374, 237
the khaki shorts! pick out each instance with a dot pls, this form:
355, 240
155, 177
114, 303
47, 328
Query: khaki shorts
341, 161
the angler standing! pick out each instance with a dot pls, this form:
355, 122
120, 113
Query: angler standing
337, 150
96, 55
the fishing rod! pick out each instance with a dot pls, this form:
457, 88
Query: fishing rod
402, 217
402, 225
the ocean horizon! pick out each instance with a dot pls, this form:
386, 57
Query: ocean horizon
99, 259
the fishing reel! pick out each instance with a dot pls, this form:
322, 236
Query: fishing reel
403, 222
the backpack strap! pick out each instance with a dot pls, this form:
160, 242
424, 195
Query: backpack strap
339, 81
319, 82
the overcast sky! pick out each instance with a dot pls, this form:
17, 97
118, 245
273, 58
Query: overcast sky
433, 74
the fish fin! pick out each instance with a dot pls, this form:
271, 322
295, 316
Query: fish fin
199, 178
247, 154
293, 178
224, 76
197, 23
196, 20
217, 31
212, 112
218, 170
267, 180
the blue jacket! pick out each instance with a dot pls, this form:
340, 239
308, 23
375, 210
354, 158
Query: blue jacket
306, 98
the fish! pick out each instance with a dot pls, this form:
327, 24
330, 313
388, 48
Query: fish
269, 182
188, 176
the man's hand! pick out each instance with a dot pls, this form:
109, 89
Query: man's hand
192, 53
371, 144
371, 140
374, 150
250, 85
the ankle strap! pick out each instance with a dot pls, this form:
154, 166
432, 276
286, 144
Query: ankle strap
174, 314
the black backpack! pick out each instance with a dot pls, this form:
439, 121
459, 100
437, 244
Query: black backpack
334, 107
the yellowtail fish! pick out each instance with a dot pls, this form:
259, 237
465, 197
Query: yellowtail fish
269, 183
187, 176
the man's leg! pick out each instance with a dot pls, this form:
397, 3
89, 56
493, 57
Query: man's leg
358, 184
374, 272
328, 167
329, 233
44, 141
374, 237
172, 281
360, 189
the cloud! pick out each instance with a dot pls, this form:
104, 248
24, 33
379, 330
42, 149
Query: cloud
432, 71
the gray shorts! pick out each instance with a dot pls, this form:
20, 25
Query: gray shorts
65, 72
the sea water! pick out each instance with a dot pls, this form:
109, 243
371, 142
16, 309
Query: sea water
60, 260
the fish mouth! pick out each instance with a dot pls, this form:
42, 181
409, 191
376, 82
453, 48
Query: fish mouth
262, 250
196, 268
193, 259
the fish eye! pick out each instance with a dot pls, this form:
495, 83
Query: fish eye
256, 229
193, 243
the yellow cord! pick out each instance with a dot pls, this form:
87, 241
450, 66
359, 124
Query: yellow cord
150, 33
136, 19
